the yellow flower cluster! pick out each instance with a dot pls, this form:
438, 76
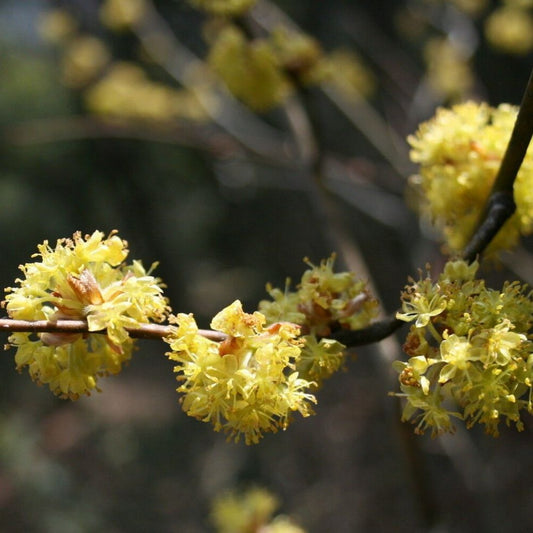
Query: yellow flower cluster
448, 70
126, 92
250, 69
117, 89
345, 70
84, 58
263, 72
469, 351
250, 510
83, 278
510, 27
57, 26
296, 52
223, 7
246, 385
324, 301
459, 152
122, 14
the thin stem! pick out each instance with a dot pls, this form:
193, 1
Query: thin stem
375, 332
143, 331
501, 204
371, 334
50, 130
231, 116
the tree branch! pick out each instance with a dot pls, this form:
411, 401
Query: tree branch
143, 331
501, 204
375, 332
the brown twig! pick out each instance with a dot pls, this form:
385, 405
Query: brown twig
49, 130
143, 331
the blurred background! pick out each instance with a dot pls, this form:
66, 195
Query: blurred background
111, 119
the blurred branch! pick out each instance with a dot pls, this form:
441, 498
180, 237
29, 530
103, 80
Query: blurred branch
359, 112
365, 118
234, 118
50, 130
501, 204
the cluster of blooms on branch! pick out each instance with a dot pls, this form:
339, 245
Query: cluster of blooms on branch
268, 365
459, 152
470, 356
273, 360
82, 278
261, 71
469, 349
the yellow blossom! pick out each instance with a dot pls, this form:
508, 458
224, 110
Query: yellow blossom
57, 26
224, 7
241, 512
83, 60
247, 384
250, 69
459, 152
345, 70
474, 353
126, 92
323, 300
510, 29
122, 14
449, 73
83, 278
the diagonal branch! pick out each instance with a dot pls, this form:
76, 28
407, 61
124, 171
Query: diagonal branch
501, 204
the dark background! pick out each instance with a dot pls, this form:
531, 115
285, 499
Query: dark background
128, 459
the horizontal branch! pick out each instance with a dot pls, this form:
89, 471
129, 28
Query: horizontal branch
143, 331
501, 205
373, 333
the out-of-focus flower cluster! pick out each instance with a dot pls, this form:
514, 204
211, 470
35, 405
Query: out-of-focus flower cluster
83, 278
250, 510
323, 302
247, 384
263, 72
122, 14
459, 152
111, 87
249, 69
509, 27
469, 353
223, 7
125, 91
449, 71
